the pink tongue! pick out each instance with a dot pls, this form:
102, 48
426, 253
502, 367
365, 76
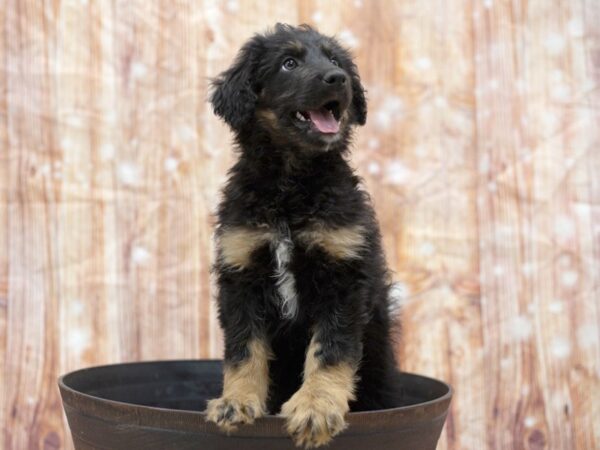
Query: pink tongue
324, 120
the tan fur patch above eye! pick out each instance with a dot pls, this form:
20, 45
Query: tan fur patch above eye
237, 244
296, 46
341, 243
268, 117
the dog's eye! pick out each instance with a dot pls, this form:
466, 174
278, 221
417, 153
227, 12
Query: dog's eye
290, 64
334, 62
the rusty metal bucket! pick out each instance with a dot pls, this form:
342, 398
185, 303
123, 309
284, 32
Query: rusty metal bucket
158, 405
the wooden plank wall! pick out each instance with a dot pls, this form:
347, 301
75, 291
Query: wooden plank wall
482, 153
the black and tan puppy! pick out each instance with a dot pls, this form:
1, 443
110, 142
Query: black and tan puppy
303, 284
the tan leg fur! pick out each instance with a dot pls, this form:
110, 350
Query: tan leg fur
315, 413
245, 389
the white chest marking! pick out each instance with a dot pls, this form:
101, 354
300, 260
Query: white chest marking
285, 281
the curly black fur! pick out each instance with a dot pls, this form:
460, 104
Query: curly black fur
288, 177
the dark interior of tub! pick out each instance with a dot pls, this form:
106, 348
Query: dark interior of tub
187, 385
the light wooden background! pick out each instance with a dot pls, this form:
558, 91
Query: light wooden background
482, 153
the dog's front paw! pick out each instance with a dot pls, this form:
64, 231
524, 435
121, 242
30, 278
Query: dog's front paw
313, 418
228, 413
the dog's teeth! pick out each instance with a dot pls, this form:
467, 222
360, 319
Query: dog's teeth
300, 116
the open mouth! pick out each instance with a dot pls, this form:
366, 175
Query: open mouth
326, 119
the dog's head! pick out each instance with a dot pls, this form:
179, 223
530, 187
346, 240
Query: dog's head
299, 86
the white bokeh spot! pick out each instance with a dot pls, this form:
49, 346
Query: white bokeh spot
171, 164
78, 339
374, 168
527, 269
107, 152
575, 28
77, 307
560, 347
569, 278
373, 143
348, 38
427, 249
317, 17
423, 63
564, 227
138, 70
233, 6
587, 335
140, 255
529, 422
499, 270
520, 328
128, 173
186, 133
555, 43
506, 362
389, 111
397, 173
556, 307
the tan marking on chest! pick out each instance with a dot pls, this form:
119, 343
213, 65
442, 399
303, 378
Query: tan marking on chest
236, 244
340, 243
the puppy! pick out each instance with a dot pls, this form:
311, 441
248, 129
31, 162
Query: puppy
303, 284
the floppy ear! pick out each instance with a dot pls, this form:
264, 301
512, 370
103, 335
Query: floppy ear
234, 92
359, 103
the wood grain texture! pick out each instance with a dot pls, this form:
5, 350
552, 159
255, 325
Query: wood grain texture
481, 152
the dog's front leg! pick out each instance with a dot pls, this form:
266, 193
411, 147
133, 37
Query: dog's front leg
315, 413
247, 354
247, 350
245, 387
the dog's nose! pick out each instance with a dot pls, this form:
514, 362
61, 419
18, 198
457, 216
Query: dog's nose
335, 77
